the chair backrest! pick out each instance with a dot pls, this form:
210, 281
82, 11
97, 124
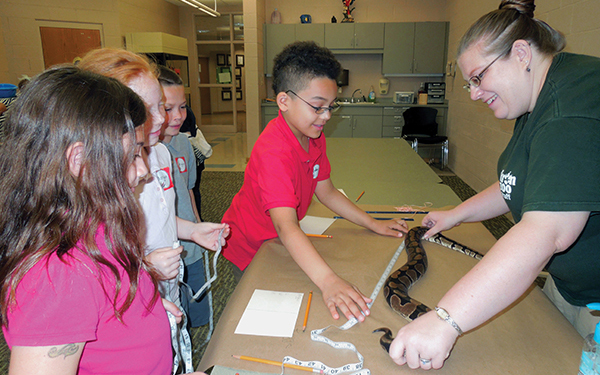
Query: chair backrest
420, 121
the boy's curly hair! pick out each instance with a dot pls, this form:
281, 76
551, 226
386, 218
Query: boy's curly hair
301, 62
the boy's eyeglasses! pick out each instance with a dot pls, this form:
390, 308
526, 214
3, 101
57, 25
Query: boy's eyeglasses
318, 110
475, 81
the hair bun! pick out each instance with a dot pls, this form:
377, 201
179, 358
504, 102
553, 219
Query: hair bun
522, 6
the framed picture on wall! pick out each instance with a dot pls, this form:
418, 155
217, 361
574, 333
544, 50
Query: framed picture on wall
223, 74
238, 95
238, 83
225, 95
221, 59
239, 60
228, 60
238, 72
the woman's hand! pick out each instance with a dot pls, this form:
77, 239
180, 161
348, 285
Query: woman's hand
166, 261
426, 342
338, 293
439, 221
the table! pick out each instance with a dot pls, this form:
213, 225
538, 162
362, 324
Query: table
388, 170
531, 337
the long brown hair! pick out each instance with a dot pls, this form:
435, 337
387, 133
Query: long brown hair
513, 20
45, 208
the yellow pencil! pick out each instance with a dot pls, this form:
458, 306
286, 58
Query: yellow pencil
361, 194
275, 363
319, 235
307, 310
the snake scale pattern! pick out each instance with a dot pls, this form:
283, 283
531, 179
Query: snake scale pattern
395, 289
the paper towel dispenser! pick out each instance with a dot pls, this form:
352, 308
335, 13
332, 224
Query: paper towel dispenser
342, 79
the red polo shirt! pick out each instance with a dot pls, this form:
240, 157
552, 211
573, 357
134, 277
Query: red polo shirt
279, 174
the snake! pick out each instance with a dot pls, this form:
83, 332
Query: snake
396, 286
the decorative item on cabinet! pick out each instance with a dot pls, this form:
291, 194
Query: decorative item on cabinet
347, 11
333, 19
275, 16
305, 18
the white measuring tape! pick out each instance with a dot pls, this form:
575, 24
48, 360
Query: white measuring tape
316, 335
180, 337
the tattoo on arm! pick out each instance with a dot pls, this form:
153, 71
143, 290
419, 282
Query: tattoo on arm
66, 350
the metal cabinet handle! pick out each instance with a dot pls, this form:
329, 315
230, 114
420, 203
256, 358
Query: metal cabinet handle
397, 128
346, 117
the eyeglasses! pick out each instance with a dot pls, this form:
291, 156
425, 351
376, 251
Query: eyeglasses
475, 81
319, 110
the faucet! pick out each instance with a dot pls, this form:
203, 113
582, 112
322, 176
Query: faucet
352, 99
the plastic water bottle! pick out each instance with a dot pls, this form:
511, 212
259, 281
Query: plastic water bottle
590, 357
275, 16
372, 95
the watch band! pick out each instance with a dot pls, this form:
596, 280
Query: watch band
443, 315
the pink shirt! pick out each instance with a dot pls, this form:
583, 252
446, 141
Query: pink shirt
279, 174
63, 302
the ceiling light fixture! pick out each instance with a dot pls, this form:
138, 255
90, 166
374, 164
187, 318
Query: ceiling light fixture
198, 5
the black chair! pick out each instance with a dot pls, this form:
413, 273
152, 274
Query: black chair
420, 130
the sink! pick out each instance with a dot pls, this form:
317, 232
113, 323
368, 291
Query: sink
356, 103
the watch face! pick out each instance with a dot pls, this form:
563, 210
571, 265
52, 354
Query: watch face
442, 313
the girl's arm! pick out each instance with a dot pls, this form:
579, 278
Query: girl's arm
204, 234
47, 360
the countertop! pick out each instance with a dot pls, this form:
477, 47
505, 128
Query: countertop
385, 102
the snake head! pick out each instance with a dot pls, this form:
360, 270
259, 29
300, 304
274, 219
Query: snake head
386, 339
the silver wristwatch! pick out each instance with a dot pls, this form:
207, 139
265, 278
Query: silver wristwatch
443, 315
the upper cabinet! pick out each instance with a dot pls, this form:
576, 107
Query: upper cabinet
354, 37
408, 48
415, 48
278, 36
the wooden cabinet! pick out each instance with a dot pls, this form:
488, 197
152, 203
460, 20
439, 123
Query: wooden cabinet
415, 48
354, 37
354, 122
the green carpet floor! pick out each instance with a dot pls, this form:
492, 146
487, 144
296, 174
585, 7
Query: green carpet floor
218, 189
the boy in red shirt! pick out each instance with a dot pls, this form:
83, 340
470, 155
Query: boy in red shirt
287, 166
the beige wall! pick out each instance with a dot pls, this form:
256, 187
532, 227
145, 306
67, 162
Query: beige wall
20, 43
477, 138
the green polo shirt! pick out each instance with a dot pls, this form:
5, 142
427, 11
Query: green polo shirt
551, 164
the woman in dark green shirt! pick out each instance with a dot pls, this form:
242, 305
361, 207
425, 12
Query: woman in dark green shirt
547, 178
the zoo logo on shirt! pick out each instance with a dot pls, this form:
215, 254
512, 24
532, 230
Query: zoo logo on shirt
164, 178
507, 181
181, 164
316, 171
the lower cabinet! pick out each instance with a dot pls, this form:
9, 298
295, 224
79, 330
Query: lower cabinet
355, 122
362, 121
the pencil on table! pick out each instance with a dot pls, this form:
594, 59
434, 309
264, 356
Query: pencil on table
361, 194
319, 235
275, 363
307, 310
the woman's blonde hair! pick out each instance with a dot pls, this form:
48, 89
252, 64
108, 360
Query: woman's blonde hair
513, 20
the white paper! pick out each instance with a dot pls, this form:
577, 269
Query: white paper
270, 313
315, 224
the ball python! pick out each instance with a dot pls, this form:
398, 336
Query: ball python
395, 288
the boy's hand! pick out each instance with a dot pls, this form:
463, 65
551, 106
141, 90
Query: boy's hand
207, 234
392, 228
166, 261
338, 293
